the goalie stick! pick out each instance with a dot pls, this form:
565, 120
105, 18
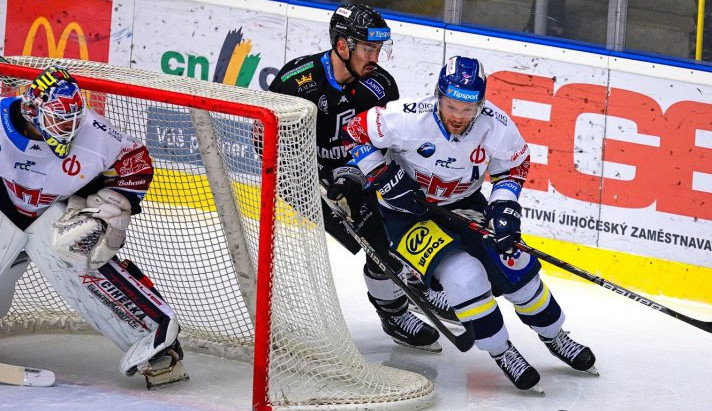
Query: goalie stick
473, 225
29, 377
463, 342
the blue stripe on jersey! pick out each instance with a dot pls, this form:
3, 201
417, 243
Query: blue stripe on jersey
508, 185
440, 123
15, 137
326, 62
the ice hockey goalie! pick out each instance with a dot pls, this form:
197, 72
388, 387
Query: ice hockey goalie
71, 184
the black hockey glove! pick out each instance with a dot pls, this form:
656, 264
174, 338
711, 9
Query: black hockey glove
345, 180
505, 216
398, 190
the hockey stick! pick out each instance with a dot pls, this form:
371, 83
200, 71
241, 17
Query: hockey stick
463, 342
29, 377
473, 225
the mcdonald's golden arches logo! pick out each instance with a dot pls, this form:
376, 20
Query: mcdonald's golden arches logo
55, 47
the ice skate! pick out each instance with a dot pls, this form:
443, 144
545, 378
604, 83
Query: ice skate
437, 302
518, 370
577, 356
410, 331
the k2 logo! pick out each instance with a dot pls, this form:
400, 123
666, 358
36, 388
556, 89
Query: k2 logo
409, 107
99, 125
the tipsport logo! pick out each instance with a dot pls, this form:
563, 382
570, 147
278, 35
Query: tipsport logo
235, 64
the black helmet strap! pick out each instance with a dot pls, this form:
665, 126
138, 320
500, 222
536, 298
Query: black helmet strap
347, 62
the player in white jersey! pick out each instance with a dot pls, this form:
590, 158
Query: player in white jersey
440, 148
71, 182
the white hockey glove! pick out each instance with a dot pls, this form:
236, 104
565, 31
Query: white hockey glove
115, 210
91, 231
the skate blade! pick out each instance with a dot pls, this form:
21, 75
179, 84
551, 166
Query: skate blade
434, 347
537, 389
165, 378
592, 371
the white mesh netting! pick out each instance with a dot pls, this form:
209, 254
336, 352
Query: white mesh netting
180, 242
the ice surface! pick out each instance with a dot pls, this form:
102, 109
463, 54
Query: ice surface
647, 360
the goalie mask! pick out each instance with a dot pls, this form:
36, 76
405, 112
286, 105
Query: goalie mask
54, 104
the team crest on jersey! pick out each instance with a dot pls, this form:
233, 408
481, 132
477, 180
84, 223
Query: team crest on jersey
323, 104
135, 163
31, 196
435, 186
426, 149
358, 130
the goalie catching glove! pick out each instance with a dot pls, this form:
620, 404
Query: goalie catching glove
93, 230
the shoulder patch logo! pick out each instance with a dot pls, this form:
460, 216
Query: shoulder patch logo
375, 87
293, 72
304, 79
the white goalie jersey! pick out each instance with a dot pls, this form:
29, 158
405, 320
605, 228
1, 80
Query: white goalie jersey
34, 178
447, 167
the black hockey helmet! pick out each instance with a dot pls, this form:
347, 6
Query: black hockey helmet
358, 22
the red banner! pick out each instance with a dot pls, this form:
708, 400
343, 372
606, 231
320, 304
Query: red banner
71, 29
664, 174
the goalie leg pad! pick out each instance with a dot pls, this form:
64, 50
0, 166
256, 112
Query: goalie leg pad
12, 260
117, 303
8, 278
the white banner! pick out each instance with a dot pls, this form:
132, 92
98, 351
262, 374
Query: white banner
209, 42
620, 159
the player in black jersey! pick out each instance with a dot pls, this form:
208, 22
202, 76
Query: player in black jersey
342, 82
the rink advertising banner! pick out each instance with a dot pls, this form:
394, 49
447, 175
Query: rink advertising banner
621, 149
621, 159
70, 29
615, 164
209, 42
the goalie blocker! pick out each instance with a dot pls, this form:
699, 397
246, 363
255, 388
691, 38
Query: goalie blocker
116, 299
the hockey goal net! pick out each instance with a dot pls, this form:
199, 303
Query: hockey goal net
232, 234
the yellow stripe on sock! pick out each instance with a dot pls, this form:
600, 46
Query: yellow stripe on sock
536, 305
477, 310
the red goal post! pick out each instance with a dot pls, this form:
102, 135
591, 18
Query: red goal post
231, 233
